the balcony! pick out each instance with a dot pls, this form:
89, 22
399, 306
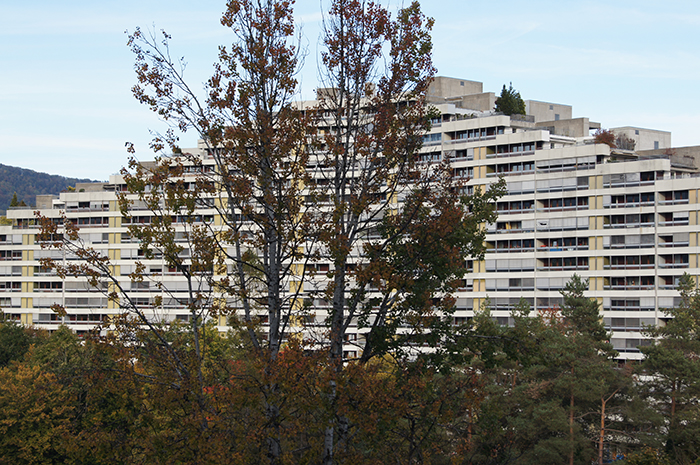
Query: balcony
563, 208
510, 154
628, 287
562, 268
678, 222
629, 266
674, 244
673, 202
628, 225
673, 265
511, 250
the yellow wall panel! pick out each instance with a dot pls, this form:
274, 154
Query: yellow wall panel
296, 286
297, 269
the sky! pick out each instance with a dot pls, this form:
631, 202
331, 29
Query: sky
66, 72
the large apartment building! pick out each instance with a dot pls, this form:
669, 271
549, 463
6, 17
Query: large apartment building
624, 219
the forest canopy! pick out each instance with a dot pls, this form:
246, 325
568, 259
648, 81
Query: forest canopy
27, 184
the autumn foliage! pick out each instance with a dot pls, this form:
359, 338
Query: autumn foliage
292, 187
605, 136
524, 393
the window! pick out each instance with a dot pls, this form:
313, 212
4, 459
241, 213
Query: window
556, 117
656, 145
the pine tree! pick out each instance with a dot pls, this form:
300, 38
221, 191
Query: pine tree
510, 102
673, 368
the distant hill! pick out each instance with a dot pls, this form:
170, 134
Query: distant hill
28, 184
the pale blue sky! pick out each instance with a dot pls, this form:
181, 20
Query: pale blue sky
66, 73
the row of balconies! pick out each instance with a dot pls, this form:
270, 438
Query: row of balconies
566, 263
645, 220
629, 345
530, 245
529, 167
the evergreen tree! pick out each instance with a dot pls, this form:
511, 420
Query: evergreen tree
552, 397
14, 342
672, 366
510, 102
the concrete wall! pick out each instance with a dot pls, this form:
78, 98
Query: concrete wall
89, 186
44, 201
686, 156
645, 139
576, 127
483, 102
446, 87
547, 111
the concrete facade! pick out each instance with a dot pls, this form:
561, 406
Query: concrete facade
626, 221
645, 139
547, 111
575, 127
447, 87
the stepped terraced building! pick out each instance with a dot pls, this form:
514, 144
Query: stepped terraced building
627, 220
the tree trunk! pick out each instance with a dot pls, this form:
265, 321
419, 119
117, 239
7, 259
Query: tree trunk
571, 421
601, 439
274, 448
673, 399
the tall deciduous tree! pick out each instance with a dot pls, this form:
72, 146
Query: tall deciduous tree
283, 196
255, 135
396, 232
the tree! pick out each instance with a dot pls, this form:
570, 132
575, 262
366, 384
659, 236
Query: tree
14, 202
15, 341
605, 136
510, 102
673, 369
289, 187
543, 396
34, 416
591, 353
378, 116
